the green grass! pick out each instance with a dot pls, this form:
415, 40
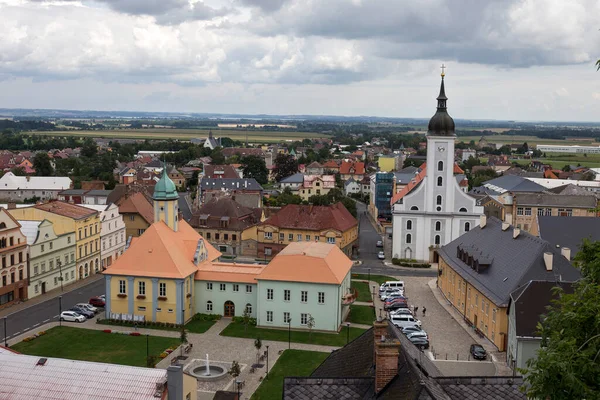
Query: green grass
520, 139
375, 278
194, 326
199, 326
236, 329
291, 363
361, 315
91, 345
363, 291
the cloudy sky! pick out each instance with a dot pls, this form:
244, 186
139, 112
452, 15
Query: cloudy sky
507, 59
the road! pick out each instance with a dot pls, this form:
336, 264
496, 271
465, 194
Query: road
367, 250
31, 317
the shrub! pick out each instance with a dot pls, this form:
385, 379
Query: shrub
42, 333
406, 263
134, 334
163, 355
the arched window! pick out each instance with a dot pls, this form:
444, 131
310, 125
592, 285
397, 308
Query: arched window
408, 238
467, 226
414, 208
438, 226
408, 225
209, 306
462, 209
249, 308
2, 225
437, 239
439, 181
438, 200
440, 165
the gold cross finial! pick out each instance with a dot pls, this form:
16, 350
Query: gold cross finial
443, 67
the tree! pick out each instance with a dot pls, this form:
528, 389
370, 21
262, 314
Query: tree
235, 369
247, 317
89, 148
567, 365
310, 324
41, 164
285, 165
566, 168
217, 156
183, 337
18, 171
255, 167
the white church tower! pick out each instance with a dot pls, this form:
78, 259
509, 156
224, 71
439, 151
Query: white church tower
433, 209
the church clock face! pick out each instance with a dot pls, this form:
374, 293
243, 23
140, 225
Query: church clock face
441, 149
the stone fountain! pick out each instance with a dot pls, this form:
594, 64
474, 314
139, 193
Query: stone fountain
205, 371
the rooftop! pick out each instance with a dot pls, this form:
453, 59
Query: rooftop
315, 218
556, 200
137, 203
232, 184
30, 230
66, 209
568, 231
10, 181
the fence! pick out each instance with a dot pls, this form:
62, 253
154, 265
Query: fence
127, 317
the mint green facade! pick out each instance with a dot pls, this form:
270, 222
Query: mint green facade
218, 297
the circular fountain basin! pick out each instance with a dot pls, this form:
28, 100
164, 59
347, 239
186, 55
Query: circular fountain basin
215, 372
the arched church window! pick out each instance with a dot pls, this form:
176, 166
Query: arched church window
439, 181
438, 226
440, 165
437, 239
414, 208
462, 209
408, 238
438, 200
408, 225
467, 226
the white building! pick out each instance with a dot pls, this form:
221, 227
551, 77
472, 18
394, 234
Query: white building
553, 148
468, 153
432, 210
112, 233
19, 188
351, 187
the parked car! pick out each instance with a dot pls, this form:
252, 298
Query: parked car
71, 316
97, 302
393, 295
83, 311
403, 300
422, 334
405, 311
391, 285
402, 321
379, 243
381, 255
420, 342
395, 306
478, 352
88, 307
411, 329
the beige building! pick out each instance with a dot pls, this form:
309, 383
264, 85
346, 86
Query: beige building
112, 233
51, 256
13, 250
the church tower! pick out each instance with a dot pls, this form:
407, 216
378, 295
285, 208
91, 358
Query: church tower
165, 201
440, 157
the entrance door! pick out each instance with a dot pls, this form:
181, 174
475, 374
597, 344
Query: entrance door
475, 320
43, 287
229, 309
80, 272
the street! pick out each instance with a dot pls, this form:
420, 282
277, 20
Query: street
30, 317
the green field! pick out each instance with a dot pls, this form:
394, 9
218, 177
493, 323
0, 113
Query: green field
374, 278
91, 345
520, 139
361, 315
291, 363
254, 136
236, 329
363, 291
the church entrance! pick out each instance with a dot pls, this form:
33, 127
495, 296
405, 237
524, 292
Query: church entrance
229, 309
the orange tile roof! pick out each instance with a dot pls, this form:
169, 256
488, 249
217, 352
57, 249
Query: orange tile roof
314, 262
314, 218
137, 204
359, 167
411, 185
331, 164
162, 253
458, 170
225, 272
67, 209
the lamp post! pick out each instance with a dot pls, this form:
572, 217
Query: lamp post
369, 276
348, 333
59, 310
267, 362
60, 278
289, 333
5, 338
238, 383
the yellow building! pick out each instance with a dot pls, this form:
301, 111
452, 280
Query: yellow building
296, 223
137, 213
315, 185
390, 163
68, 218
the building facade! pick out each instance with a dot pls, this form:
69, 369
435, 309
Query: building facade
51, 257
382, 190
19, 188
112, 233
15, 257
433, 210
137, 214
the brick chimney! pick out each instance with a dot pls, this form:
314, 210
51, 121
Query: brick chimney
12, 206
386, 355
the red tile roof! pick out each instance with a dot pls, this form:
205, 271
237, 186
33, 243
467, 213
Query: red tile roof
220, 171
137, 204
316, 218
67, 209
347, 166
458, 170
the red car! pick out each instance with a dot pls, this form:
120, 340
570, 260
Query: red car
97, 302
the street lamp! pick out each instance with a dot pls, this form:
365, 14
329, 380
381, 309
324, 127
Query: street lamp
5, 338
59, 310
348, 333
289, 333
267, 362
60, 278
238, 383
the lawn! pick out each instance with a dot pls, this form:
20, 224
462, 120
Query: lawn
291, 363
91, 345
361, 315
375, 278
363, 291
200, 323
236, 329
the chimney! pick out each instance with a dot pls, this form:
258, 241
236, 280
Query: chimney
566, 252
175, 382
516, 232
12, 206
548, 260
482, 221
505, 226
28, 178
386, 356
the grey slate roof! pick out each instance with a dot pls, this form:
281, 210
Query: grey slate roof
555, 200
568, 231
327, 388
231, 184
507, 183
295, 178
512, 262
477, 388
530, 302
98, 192
73, 192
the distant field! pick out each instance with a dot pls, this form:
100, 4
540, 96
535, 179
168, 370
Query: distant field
254, 136
531, 140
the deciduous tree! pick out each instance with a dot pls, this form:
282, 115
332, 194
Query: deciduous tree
285, 165
255, 167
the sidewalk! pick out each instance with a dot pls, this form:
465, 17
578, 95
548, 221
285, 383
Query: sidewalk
52, 294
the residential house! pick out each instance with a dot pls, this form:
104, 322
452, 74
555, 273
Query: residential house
73, 196
468, 153
314, 168
19, 188
305, 223
14, 254
479, 270
352, 187
318, 185
41, 378
112, 233
248, 192
219, 172
227, 225
352, 169
177, 178
51, 257
69, 218
294, 182
137, 213
96, 197
331, 167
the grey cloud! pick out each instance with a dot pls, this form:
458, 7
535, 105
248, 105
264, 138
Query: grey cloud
265, 5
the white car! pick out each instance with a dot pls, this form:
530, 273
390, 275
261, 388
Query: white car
71, 316
87, 307
381, 255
